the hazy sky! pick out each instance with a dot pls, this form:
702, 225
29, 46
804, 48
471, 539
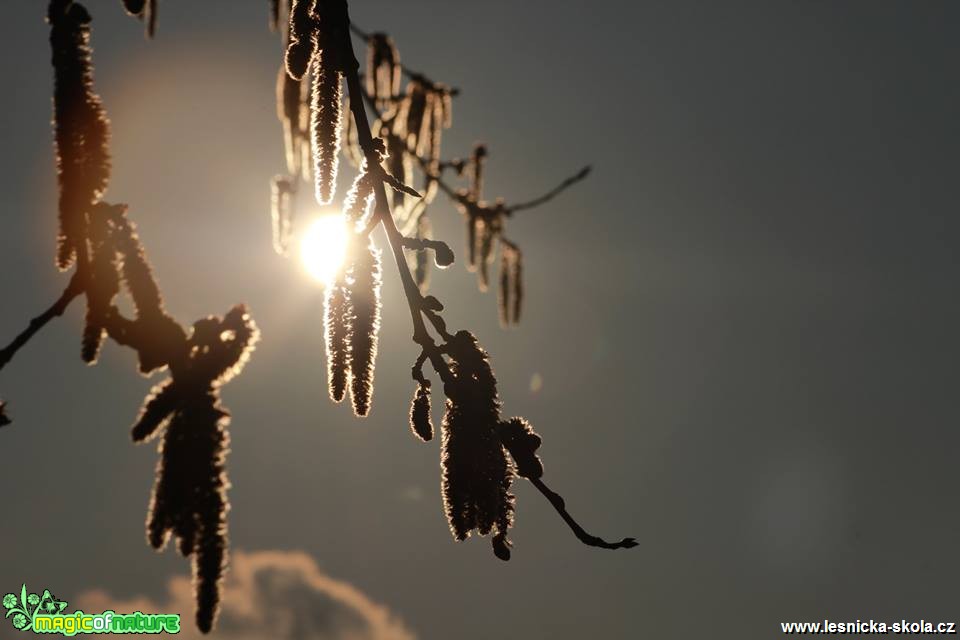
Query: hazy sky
745, 320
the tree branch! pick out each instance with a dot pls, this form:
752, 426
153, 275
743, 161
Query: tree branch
583, 536
74, 289
550, 195
382, 213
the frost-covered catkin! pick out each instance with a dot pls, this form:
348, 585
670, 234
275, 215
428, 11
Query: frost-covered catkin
325, 127
383, 68
421, 423
336, 312
476, 473
281, 213
364, 296
81, 129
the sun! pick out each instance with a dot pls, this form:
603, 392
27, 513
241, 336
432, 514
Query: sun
323, 247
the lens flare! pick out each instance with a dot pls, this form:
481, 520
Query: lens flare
324, 247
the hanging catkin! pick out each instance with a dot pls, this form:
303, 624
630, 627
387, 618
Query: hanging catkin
383, 69
364, 297
421, 423
476, 473
281, 213
336, 311
103, 283
288, 112
81, 129
325, 127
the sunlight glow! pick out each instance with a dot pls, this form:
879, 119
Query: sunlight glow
323, 247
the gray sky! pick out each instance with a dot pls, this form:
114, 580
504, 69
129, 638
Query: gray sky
745, 320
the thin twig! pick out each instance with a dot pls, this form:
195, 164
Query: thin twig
584, 537
425, 166
536, 202
74, 289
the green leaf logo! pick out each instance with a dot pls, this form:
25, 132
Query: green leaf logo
23, 609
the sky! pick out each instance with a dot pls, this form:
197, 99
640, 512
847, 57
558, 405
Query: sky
744, 322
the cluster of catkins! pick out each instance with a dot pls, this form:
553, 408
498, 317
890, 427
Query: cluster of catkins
189, 497
352, 304
190, 491
477, 472
309, 95
485, 224
411, 123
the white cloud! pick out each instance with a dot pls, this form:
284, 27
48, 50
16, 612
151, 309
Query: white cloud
271, 594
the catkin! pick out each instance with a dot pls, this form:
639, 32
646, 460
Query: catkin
420, 260
477, 162
517, 286
189, 496
519, 438
325, 128
360, 198
336, 337
157, 407
288, 112
476, 473
301, 45
421, 423
281, 213
103, 283
503, 292
364, 296
510, 297
81, 128
383, 68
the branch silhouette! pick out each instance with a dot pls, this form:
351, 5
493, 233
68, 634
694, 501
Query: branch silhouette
481, 453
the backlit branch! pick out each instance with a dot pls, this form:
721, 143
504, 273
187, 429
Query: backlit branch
481, 452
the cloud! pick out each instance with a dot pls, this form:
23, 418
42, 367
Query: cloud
271, 594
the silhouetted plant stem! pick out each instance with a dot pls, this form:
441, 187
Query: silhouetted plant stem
427, 307
591, 540
382, 214
74, 289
